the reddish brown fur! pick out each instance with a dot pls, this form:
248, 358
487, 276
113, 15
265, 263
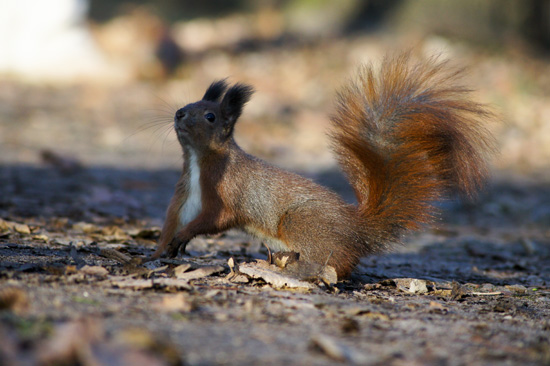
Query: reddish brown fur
403, 138
407, 136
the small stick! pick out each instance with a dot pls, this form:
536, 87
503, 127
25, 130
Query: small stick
269, 259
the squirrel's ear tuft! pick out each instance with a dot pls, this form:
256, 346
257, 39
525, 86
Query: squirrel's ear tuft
233, 102
215, 91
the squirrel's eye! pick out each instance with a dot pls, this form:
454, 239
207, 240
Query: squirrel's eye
210, 117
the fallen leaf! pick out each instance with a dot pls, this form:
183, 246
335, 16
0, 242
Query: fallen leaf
412, 285
115, 254
457, 291
182, 268
350, 326
22, 229
14, 299
96, 271
373, 315
177, 302
231, 263
70, 342
199, 273
273, 277
114, 234
282, 259
131, 283
85, 342
172, 283
437, 306
329, 347
41, 237
147, 233
86, 227
4, 226
517, 288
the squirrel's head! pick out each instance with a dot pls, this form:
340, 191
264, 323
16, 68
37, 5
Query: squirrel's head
209, 122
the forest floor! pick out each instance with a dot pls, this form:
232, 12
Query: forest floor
80, 195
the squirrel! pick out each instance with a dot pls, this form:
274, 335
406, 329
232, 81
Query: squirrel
403, 137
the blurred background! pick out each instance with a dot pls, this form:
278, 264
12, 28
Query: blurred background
95, 83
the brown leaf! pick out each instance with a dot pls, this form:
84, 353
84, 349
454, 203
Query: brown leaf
85, 342
4, 226
131, 283
86, 227
262, 270
147, 233
95, 271
114, 234
199, 273
171, 284
14, 299
437, 306
412, 285
22, 229
458, 292
178, 302
181, 269
283, 259
329, 347
70, 343
41, 237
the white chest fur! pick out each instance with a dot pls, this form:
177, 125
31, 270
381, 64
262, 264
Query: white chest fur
193, 205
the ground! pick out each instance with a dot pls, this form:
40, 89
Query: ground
83, 190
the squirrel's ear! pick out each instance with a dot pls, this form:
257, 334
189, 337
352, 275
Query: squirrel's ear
215, 91
233, 102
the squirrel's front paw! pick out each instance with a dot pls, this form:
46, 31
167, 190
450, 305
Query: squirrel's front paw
174, 247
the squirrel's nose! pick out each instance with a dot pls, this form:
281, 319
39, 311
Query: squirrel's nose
180, 114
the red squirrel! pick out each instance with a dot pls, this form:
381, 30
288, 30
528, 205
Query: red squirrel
403, 137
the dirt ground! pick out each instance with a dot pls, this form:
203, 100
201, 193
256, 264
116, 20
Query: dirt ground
84, 187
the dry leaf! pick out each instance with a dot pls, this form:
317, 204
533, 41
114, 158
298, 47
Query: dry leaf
283, 259
329, 347
262, 271
96, 271
171, 283
71, 343
22, 229
199, 273
41, 237
85, 342
4, 226
231, 263
147, 233
14, 299
131, 283
86, 227
114, 234
437, 306
182, 268
178, 302
412, 285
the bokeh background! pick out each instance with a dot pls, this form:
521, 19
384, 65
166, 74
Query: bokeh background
98, 81
88, 162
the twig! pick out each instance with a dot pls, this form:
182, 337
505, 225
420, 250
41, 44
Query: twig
269, 259
114, 254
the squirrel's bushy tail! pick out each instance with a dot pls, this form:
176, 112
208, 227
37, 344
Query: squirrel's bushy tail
406, 136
